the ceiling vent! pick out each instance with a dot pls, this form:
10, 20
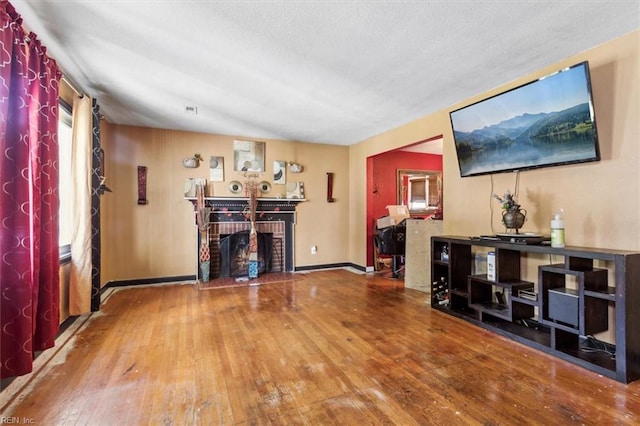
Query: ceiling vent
191, 110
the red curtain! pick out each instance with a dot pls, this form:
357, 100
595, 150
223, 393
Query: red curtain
29, 254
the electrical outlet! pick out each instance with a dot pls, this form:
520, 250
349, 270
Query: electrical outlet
314, 249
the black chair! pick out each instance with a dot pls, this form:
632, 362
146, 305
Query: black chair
391, 241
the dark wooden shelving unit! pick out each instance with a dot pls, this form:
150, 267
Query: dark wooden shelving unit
565, 308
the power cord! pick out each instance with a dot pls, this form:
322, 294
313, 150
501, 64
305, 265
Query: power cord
596, 346
493, 231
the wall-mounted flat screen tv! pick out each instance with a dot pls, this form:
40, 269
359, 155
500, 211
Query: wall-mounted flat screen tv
546, 122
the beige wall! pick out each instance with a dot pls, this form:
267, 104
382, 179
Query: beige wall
601, 200
159, 239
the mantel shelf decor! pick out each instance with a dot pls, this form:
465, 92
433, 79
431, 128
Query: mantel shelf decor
264, 202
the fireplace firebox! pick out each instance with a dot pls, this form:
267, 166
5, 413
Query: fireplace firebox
234, 253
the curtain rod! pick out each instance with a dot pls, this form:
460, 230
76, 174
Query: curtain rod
73, 86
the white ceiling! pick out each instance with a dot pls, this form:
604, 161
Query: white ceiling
314, 71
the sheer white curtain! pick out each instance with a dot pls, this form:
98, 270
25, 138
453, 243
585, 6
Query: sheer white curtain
81, 172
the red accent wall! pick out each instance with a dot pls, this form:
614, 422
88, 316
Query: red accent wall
381, 174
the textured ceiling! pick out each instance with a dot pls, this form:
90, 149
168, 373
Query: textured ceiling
314, 71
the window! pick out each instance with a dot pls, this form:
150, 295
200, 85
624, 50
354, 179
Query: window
418, 193
65, 222
420, 190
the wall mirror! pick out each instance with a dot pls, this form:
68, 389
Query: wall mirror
420, 191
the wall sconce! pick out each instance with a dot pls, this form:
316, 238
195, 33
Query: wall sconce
330, 198
295, 167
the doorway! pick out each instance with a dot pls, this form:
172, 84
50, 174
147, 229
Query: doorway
382, 179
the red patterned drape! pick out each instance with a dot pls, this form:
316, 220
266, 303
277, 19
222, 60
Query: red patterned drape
29, 255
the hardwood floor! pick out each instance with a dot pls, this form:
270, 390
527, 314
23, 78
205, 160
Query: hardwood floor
327, 347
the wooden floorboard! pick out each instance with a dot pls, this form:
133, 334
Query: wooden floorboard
323, 348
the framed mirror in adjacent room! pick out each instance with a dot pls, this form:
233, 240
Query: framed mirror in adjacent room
420, 191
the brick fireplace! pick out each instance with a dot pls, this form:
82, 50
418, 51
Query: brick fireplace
273, 216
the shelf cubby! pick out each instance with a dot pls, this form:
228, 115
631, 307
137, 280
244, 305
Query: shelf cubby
483, 297
559, 314
592, 312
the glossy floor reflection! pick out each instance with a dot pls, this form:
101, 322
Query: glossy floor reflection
325, 348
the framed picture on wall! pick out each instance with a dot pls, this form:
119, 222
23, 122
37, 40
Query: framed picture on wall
279, 172
216, 169
248, 156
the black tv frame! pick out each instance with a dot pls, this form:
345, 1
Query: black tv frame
470, 144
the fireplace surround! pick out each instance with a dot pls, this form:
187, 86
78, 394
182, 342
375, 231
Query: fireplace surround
273, 216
